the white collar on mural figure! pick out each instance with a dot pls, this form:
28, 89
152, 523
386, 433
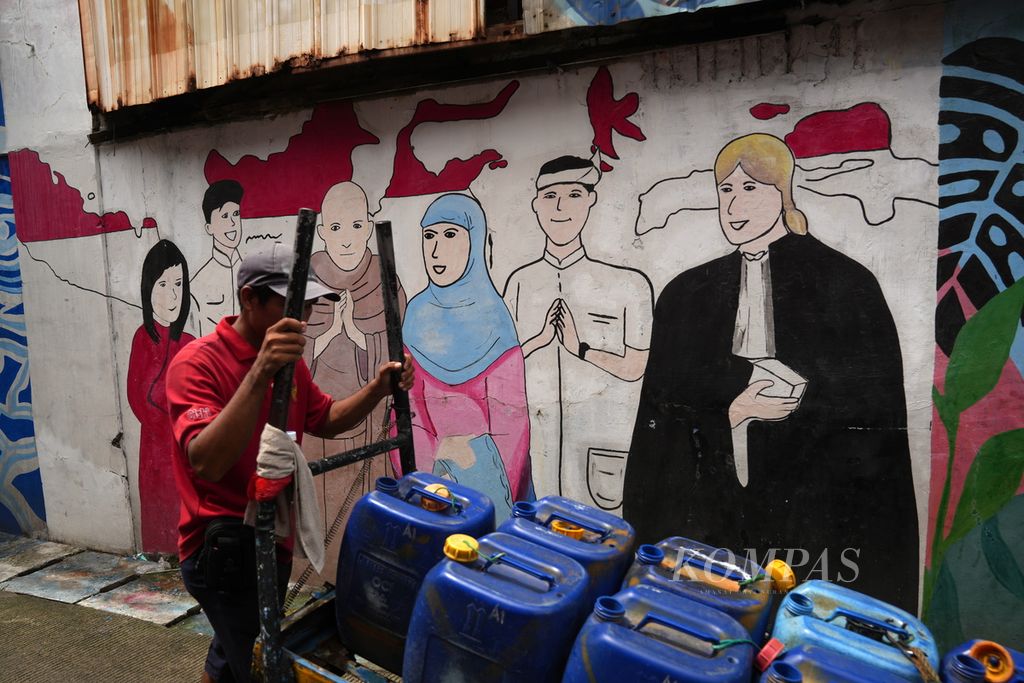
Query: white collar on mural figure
754, 334
755, 256
572, 259
227, 260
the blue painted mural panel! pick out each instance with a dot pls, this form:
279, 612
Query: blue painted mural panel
21, 487
607, 12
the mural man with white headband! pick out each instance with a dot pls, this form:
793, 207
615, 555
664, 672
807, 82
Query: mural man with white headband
585, 330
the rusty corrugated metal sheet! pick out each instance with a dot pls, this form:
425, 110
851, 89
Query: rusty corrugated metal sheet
137, 51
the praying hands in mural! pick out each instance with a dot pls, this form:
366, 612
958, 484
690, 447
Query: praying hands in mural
342, 322
629, 366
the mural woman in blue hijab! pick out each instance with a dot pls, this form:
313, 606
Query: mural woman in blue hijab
470, 421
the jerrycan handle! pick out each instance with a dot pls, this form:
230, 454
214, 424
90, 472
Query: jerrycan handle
521, 566
652, 618
714, 566
430, 495
600, 531
865, 620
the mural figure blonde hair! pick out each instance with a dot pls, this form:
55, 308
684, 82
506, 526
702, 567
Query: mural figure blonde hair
768, 160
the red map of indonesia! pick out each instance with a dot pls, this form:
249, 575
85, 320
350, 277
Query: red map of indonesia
315, 159
48, 208
411, 177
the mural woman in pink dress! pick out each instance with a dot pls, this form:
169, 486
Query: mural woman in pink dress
165, 308
470, 421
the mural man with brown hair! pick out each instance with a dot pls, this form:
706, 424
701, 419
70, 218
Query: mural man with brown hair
585, 329
783, 354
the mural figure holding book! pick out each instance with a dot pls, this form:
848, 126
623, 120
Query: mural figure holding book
772, 414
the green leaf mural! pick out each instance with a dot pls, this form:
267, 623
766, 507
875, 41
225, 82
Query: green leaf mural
1000, 559
944, 619
979, 355
991, 482
981, 349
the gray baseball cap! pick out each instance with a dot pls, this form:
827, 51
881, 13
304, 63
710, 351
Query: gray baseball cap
272, 267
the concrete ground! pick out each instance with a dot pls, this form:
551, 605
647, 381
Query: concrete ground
68, 614
47, 640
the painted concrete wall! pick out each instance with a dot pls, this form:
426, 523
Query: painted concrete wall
21, 487
976, 549
82, 416
511, 404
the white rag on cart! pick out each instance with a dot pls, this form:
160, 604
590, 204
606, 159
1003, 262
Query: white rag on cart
279, 457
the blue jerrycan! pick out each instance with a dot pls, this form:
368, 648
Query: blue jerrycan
715, 577
647, 635
394, 536
870, 632
981, 661
601, 542
811, 664
497, 610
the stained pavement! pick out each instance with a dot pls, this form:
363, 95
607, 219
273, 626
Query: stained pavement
72, 614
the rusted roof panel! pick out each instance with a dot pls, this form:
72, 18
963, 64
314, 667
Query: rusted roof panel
137, 51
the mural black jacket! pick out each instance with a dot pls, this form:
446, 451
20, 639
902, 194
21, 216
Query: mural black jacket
834, 478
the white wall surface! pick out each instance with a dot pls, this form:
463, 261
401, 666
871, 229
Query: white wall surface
693, 100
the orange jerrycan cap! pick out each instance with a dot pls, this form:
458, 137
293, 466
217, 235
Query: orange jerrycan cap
435, 505
461, 548
996, 659
567, 529
782, 576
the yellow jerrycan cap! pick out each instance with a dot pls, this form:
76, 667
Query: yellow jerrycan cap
434, 505
567, 529
782, 576
996, 659
461, 548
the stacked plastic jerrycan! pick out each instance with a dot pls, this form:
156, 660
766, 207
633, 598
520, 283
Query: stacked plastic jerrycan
394, 536
982, 661
876, 638
714, 577
497, 610
601, 542
814, 664
645, 634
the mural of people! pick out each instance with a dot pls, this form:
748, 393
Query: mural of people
348, 338
790, 345
585, 326
165, 310
213, 285
470, 419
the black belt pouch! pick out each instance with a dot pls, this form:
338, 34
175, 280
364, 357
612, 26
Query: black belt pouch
229, 554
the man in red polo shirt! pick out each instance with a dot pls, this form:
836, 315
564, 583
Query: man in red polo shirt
219, 393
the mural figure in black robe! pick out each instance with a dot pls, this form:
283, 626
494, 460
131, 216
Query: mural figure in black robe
772, 413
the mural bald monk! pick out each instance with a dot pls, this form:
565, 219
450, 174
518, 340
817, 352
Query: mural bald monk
348, 338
